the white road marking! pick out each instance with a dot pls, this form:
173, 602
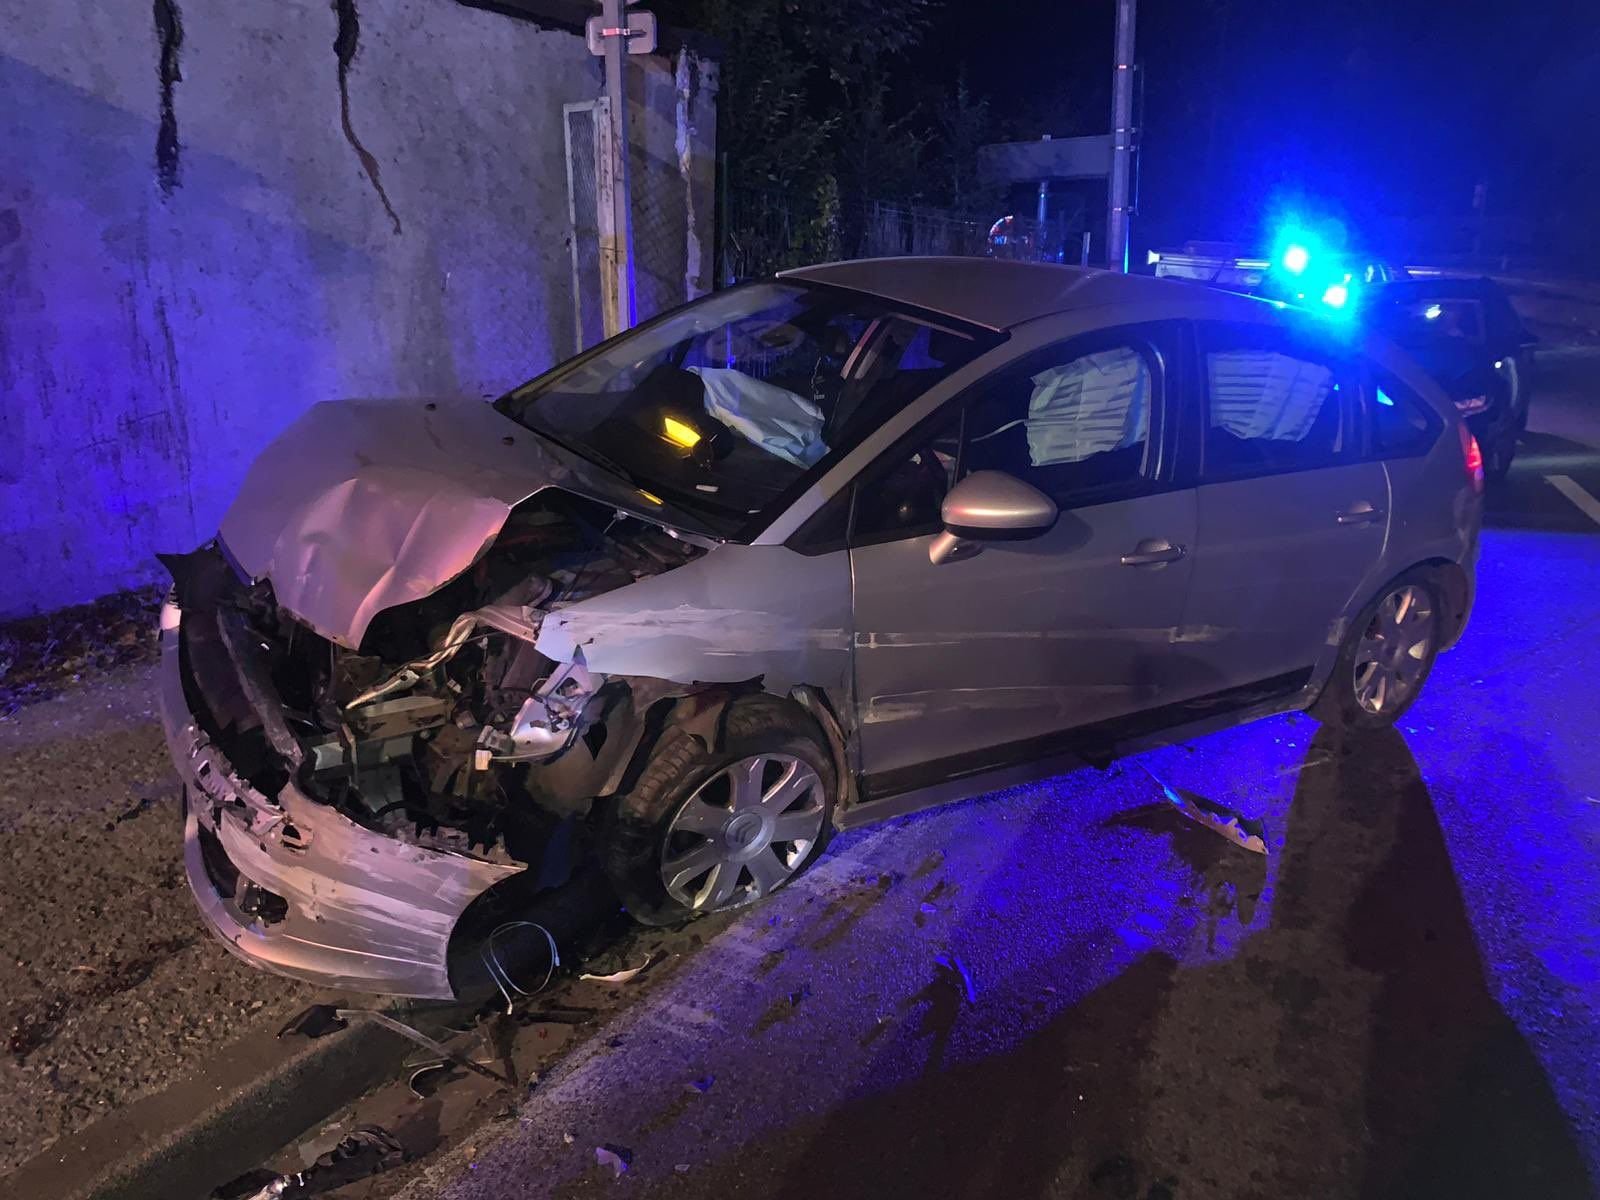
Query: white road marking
1574, 491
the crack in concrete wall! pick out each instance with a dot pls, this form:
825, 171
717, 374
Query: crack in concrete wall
169, 36
345, 44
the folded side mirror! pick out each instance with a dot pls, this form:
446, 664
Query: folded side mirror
989, 506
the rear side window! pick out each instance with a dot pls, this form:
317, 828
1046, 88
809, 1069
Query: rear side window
1272, 406
1402, 423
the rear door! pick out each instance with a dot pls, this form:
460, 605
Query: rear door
1292, 520
982, 660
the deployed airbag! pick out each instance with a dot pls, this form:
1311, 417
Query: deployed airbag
773, 418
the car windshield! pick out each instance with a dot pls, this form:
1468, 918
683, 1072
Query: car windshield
1421, 317
725, 405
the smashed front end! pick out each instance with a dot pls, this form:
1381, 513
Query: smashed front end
351, 810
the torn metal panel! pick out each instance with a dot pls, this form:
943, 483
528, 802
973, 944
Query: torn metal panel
737, 613
362, 505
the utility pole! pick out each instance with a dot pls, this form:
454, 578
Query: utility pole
1121, 140
617, 257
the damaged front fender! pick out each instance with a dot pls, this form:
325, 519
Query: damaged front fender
737, 613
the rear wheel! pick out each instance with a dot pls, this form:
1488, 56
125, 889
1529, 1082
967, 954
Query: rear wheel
1498, 454
1386, 656
706, 830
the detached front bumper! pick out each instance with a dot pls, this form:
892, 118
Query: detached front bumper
294, 886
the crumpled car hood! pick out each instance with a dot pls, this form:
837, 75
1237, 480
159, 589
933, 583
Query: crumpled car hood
362, 505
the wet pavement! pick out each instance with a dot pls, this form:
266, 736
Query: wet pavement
1060, 990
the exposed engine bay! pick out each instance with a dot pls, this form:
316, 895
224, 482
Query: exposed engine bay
442, 727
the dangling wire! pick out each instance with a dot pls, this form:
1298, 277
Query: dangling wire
497, 970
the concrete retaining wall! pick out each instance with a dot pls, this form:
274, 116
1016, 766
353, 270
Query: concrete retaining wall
214, 214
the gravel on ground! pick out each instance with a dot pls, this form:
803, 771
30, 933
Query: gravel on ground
110, 989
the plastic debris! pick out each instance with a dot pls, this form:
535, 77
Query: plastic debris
682, 1168
366, 1151
927, 909
958, 974
1241, 830
701, 1085
568, 1137
321, 1019
618, 1158
625, 976
429, 1077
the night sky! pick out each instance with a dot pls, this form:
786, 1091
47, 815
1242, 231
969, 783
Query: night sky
1368, 108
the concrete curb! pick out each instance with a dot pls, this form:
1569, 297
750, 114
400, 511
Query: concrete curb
256, 1095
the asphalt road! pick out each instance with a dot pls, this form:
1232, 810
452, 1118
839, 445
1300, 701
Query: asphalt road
1063, 990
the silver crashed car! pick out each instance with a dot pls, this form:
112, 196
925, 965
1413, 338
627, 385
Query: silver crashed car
801, 554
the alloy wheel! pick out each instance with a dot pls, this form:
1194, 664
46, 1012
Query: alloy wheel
743, 832
1395, 650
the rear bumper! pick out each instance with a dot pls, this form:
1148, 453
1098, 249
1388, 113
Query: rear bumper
293, 886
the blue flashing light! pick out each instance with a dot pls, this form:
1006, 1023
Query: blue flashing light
1336, 295
1295, 259
1433, 312
1385, 399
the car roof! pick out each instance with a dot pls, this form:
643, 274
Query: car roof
1000, 294
1445, 288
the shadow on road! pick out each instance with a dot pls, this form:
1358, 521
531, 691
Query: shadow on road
1350, 1048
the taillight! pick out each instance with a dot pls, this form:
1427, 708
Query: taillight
1471, 457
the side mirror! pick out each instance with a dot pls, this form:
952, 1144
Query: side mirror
990, 506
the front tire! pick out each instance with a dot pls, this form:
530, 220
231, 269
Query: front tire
706, 830
1386, 656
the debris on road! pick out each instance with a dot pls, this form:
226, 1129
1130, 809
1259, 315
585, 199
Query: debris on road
428, 1078
138, 808
618, 1158
624, 976
701, 1085
955, 971
321, 1019
1242, 831
367, 1151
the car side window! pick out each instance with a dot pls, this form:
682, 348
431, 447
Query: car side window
900, 495
1271, 405
1402, 423
1073, 420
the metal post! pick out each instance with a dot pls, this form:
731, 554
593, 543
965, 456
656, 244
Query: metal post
1121, 139
616, 252
1039, 218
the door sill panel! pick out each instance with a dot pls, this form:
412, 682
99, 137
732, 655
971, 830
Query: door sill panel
943, 781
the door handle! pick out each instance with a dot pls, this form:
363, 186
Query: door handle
1360, 513
1152, 552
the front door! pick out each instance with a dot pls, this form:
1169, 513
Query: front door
1292, 521
986, 659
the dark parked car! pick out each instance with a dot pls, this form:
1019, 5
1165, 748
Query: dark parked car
1465, 334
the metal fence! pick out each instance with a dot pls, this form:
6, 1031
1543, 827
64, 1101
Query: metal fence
762, 232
